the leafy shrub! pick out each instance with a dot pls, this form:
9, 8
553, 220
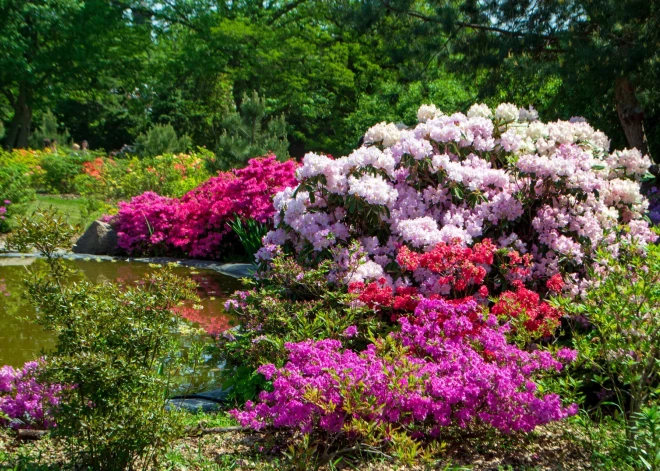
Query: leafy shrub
93, 175
161, 139
616, 326
551, 190
168, 174
646, 430
15, 191
286, 304
61, 169
197, 225
113, 346
246, 134
30, 159
290, 303
446, 363
449, 366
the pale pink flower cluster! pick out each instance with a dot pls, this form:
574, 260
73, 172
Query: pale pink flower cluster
552, 190
373, 189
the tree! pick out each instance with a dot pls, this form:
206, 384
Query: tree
55, 48
247, 134
161, 140
598, 48
49, 129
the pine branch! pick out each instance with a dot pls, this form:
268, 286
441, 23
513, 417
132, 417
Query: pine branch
463, 24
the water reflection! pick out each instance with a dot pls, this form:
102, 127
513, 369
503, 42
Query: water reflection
22, 340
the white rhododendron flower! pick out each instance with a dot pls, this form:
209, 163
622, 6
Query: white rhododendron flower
479, 111
507, 112
426, 112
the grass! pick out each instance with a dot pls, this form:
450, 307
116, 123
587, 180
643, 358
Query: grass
75, 209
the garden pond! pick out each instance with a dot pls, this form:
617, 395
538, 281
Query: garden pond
22, 340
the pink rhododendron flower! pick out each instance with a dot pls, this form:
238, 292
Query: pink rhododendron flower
552, 191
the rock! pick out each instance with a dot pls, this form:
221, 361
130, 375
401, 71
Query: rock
200, 402
193, 404
237, 270
99, 239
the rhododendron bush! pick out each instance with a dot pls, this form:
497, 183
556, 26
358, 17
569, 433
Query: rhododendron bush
459, 347
552, 191
197, 224
448, 365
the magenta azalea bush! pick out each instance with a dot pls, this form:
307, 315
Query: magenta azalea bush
551, 190
24, 401
197, 224
448, 366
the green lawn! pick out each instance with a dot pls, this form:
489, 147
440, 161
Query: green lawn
75, 209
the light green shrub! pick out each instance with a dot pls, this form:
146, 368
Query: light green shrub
616, 327
114, 348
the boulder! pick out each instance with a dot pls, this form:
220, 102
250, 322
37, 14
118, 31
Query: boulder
238, 270
99, 239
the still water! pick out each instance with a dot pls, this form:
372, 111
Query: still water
22, 340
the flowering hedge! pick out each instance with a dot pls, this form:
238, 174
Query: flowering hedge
197, 224
552, 191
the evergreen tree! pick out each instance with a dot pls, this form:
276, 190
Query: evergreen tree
250, 132
50, 130
161, 139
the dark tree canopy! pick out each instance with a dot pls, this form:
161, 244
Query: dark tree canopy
110, 70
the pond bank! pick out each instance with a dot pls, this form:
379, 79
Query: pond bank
235, 270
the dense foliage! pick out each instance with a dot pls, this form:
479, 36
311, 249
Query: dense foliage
353, 64
113, 357
616, 329
98, 180
432, 282
103, 177
450, 363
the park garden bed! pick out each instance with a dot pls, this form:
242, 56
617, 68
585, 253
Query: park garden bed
479, 290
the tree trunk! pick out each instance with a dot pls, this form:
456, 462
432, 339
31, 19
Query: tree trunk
19, 129
631, 115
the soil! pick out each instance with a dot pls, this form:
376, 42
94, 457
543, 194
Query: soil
553, 447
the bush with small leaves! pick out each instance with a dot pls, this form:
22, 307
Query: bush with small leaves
114, 345
616, 327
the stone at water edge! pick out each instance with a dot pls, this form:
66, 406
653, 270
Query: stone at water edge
99, 239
